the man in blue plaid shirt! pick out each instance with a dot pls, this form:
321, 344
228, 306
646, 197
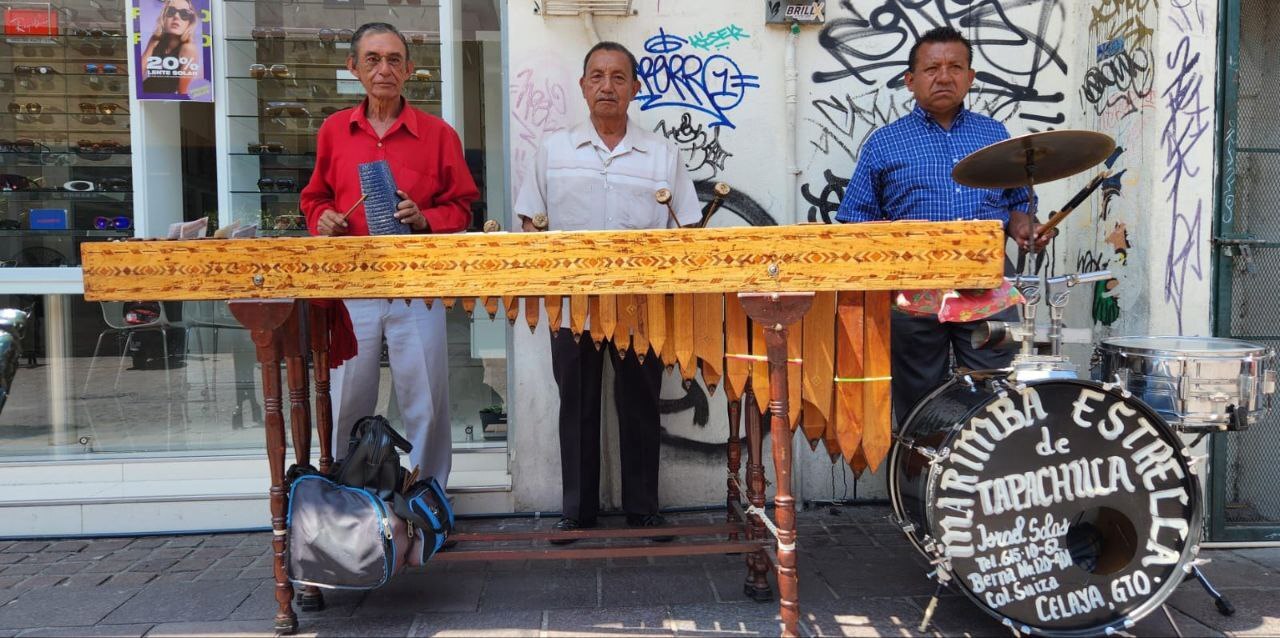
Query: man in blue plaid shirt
904, 172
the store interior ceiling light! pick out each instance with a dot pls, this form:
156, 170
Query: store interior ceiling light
579, 7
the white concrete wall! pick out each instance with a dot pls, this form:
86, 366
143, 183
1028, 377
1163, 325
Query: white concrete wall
1033, 59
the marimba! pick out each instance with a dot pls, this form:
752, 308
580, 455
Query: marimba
813, 298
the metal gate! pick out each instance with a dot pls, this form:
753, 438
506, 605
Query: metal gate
1244, 499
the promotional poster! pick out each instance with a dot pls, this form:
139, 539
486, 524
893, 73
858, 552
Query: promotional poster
174, 50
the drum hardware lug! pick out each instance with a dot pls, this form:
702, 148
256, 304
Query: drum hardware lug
968, 381
903, 524
1268, 384
933, 455
1120, 384
1194, 563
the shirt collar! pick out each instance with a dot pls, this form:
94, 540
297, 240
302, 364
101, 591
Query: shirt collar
928, 119
405, 119
585, 133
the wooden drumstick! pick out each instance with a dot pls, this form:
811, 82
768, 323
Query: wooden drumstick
492, 226
721, 190
1084, 193
353, 206
664, 197
541, 221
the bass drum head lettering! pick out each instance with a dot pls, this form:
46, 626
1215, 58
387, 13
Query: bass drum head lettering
1063, 507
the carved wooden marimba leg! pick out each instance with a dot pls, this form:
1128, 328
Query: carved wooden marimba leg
775, 313
265, 320
293, 345
757, 585
733, 494
319, 333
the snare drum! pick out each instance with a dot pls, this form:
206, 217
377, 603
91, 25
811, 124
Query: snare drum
1060, 507
1198, 384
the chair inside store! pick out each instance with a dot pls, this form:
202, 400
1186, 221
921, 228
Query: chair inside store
208, 318
130, 324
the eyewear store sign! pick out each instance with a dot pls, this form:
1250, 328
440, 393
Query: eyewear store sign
173, 50
1079, 532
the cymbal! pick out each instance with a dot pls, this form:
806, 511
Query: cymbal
1056, 154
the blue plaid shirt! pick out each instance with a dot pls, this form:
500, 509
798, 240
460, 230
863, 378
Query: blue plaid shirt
904, 172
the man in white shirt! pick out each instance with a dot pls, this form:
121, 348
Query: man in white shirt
602, 175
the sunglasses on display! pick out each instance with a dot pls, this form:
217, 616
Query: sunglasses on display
283, 221
330, 36
409, 2
115, 184
35, 70
89, 112
420, 75
78, 186
277, 184
266, 147
267, 33
95, 68
290, 109
30, 112
94, 33
98, 83
112, 223
21, 145
102, 146
18, 183
186, 15
10, 224
260, 71
105, 46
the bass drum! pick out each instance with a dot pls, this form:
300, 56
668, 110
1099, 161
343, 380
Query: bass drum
1061, 507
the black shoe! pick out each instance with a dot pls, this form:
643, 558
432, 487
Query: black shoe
568, 525
650, 520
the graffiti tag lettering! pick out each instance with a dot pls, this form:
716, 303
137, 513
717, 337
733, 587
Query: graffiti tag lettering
714, 84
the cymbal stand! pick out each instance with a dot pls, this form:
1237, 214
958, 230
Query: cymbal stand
1029, 283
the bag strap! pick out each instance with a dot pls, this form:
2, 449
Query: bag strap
400, 506
443, 500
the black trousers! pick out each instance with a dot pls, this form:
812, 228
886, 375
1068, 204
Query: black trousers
577, 368
922, 347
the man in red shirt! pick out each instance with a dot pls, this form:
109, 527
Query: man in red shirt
426, 160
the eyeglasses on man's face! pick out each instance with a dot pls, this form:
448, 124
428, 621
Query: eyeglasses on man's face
372, 61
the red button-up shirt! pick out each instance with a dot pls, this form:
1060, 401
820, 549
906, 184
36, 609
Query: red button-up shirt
425, 156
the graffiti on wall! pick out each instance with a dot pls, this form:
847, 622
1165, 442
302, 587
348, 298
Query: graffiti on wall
538, 105
1012, 53
673, 75
699, 146
1188, 117
1015, 56
718, 39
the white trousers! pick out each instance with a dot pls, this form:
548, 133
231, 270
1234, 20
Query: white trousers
418, 349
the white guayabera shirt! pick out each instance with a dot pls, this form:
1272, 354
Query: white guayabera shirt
583, 185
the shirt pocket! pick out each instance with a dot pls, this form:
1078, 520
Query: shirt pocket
638, 207
419, 186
